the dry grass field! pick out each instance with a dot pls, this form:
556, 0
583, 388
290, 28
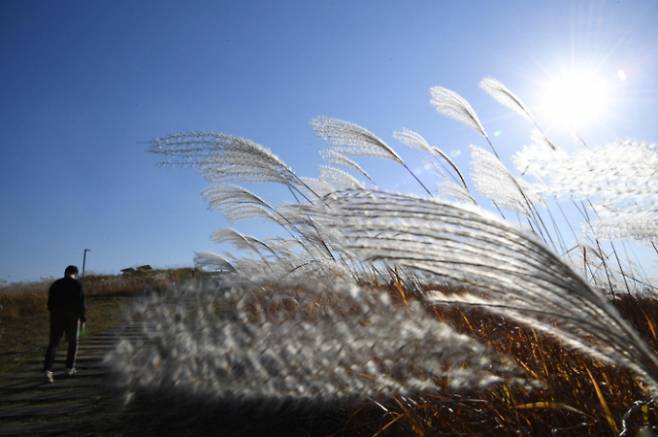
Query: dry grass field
579, 396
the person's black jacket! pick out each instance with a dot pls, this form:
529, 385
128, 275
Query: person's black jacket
66, 296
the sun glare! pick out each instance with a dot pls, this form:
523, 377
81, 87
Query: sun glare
575, 98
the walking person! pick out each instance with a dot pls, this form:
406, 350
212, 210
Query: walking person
66, 303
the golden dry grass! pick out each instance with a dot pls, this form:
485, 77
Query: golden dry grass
580, 396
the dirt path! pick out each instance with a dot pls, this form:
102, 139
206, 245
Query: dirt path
80, 405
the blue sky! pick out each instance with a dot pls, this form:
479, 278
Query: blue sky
85, 85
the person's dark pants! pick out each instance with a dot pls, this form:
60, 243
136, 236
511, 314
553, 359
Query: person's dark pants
61, 323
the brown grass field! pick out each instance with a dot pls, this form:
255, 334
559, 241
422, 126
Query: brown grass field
579, 396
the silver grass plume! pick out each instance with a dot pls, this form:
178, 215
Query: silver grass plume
297, 258
452, 105
335, 157
307, 230
455, 192
293, 266
413, 139
417, 141
506, 271
351, 139
621, 179
286, 248
212, 261
505, 97
241, 241
237, 203
224, 158
619, 224
320, 269
494, 181
276, 341
293, 258
321, 187
620, 171
338, 178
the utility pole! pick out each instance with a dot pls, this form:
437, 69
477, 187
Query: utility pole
84, 261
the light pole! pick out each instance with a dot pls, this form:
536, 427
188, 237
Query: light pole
84, 261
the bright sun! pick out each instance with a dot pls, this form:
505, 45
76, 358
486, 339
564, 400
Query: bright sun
574, 98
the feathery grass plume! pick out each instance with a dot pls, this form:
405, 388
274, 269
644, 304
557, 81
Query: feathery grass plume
244, 242
614, 224
505, 97
494, 181
293, 257
507, 271
307, 231
338, 178
335, 157
290, 266
284, 247
224, 158
454, 106
321, 187
621, 171
237, 203
351, 139
620, 178
321, 269
413, 139
417, 141
456, 192
275, 341
212, 261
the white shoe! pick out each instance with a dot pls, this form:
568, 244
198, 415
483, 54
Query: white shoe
71, 372
50, 376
